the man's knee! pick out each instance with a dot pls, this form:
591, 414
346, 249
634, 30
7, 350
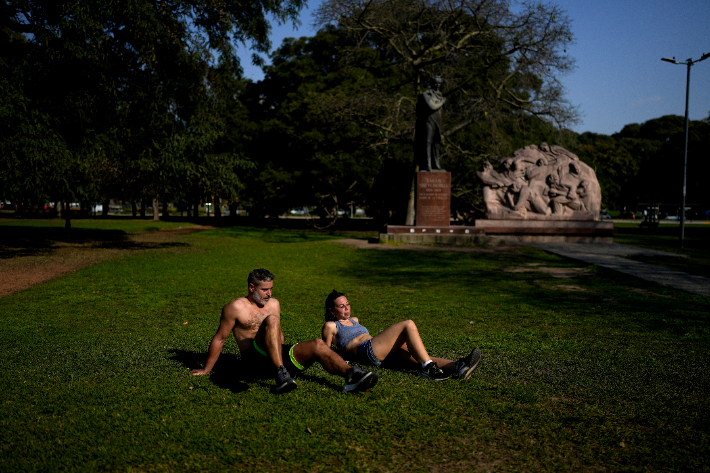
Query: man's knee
319, 347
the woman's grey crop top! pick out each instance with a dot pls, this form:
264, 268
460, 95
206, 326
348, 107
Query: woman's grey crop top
346, 334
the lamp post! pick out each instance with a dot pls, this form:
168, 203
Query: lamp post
689, 63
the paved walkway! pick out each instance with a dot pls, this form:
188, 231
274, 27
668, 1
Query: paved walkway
610, 256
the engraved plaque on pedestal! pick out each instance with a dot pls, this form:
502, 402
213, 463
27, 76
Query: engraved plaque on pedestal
433, 198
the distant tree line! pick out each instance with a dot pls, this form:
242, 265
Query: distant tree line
145, 101
643, 163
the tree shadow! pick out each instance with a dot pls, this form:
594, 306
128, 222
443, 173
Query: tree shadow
485, 274
19, 241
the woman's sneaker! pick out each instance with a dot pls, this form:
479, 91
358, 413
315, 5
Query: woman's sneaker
359, 380
466, 365
433, 372
284, 382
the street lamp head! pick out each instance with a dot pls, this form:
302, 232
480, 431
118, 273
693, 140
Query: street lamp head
669, 60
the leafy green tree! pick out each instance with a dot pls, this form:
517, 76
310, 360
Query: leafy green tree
309, 153
658, 146
119, 87
615, 166
499, 63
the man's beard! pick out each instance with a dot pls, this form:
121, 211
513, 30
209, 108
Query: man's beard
260, 300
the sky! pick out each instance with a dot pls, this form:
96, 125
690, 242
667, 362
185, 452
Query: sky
619, 77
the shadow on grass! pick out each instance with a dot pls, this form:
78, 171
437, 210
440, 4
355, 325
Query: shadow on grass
231, 373
20, 241
516, 278
280, 235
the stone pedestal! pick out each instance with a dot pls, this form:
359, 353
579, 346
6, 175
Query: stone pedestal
556, 231
433, 199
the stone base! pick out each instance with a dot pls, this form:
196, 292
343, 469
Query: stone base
541, 231
496, 232
445, 235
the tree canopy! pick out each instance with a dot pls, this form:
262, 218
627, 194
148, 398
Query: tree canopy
143, 100
127, 98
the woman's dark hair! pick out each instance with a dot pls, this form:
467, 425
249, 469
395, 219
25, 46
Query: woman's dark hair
330, 305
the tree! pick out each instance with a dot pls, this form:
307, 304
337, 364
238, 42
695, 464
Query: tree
499, 63
308, 154
614, 165
117, 86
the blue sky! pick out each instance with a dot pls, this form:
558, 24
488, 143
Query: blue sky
619, 76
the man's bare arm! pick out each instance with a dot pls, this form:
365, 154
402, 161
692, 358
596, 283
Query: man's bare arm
226, 324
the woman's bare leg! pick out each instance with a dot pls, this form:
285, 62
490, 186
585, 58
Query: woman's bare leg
403, 356
397, 336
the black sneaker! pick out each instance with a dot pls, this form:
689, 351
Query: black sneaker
465, 366
284, 382
359, 380
433, 372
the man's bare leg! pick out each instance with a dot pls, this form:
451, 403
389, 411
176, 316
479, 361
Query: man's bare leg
316, 350
356, 379
269, 338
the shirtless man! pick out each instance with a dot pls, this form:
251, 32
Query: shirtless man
255, 322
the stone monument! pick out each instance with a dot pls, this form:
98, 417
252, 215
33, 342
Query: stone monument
433, 199
541, 194
541, 183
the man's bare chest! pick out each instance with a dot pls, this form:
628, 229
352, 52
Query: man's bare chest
252, 320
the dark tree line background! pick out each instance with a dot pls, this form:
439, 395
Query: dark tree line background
145, 101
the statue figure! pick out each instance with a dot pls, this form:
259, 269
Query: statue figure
427, 133
541, 183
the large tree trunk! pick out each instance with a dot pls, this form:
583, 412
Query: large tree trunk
67, 217
196, 209
165, 209
134, 208
216, 207
233, 210
156, 209
104, 210
58, 207
142, 209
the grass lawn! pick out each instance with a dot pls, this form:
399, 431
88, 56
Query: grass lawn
584, 369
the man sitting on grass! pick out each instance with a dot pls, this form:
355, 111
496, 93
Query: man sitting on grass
255, 321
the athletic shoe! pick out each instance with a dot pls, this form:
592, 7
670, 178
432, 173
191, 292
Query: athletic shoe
466, 365
433, 372
359, 380
284, 382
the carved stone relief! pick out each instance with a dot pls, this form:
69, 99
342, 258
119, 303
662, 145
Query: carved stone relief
541, 183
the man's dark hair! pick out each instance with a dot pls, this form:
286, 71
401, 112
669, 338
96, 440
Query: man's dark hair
330, 305
259, 275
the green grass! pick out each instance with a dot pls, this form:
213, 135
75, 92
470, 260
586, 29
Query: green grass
696, 247
598, 373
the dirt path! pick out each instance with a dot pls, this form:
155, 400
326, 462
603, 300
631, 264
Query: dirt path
28, 257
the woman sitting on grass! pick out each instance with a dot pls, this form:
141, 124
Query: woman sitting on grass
398, 343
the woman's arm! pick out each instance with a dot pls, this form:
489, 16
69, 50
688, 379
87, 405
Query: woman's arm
329, 331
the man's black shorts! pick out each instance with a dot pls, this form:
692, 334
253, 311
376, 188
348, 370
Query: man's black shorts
259, 363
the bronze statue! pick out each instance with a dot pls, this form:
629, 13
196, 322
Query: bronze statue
427, 134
